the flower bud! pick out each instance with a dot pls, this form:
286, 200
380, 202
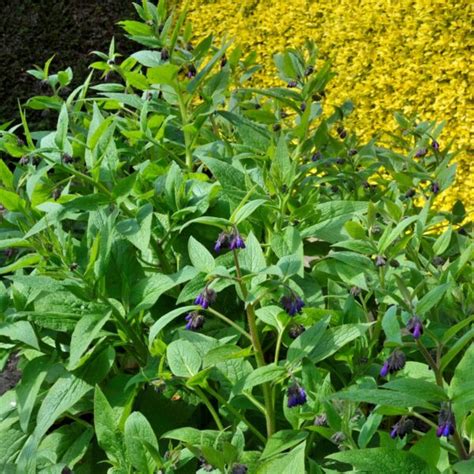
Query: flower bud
292, 84
308, 71
165, 55
296, 330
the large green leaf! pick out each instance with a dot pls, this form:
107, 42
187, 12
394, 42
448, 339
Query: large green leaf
183, 358
383, 460
138, 433
288, 463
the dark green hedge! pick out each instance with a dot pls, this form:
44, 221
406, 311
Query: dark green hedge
32, 31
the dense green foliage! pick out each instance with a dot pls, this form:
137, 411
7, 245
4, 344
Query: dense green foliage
201, 276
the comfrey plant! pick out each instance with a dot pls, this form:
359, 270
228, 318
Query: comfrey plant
204, 276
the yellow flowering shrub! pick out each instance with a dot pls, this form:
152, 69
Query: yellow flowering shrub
407, 55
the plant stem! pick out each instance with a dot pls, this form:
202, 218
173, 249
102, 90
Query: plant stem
431, 363
252, 322
230, 323
209, 406
187, 138
236, 413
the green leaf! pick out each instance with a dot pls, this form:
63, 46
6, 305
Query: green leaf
27, 390
20, 331
195, 437
355, 230
461, 389
11, 201
165, 320
138, 432
62, 127
331, 217
307, 342
165, 74
281, 441
369, 428
183, 358
269, 315
390, 235
247, 210
428, 448
29, 260
251, 258
200, 257
288, 463
6, 176
288, 242
282, 169
86, 330
431, 298
335, 338
391, 326
442, 242
147, 291
106, 429
419, 388
265, 374
464, 467
383, 460
138, 230
231, 178
148, 58
384, 397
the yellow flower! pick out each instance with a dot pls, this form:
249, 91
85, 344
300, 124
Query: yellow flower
407, 55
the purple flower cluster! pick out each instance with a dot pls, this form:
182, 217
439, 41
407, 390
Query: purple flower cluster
415, 327
401, 428
296, 395
232, 240
206, 298
446, 423
395, 362
194, 321
292, 304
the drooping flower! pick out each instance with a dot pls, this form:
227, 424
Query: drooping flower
435, 145
435, 187
401, 428
395, 361
292, 304
206, 298
446, 423
221, 241
308, 71
296, 395
415, 326
239, 469
292, 84
380, 261
421, 152
316, 156
194, 321
236, 241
